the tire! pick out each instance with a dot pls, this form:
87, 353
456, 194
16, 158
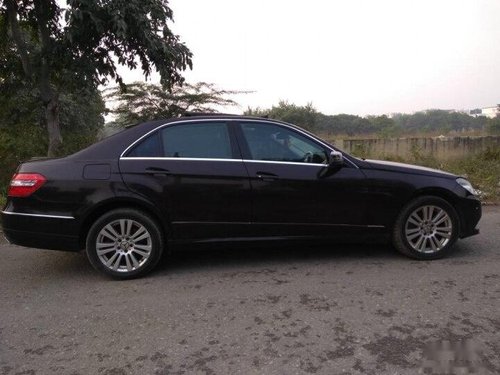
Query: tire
124, 244
426, 228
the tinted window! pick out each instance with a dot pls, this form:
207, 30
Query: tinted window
148, 147
277, 143
208, 140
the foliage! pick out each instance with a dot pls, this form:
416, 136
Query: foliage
82, 51
22, 131
304, 116
386, 127
141, 101
344, 124
434, 120
494, 125
351, 125
15, 149
482, 169
437, 120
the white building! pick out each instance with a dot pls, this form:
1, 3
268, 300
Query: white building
489, 112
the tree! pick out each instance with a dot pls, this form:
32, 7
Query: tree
344, 124
437, 120
22, 123
494, 125
304, 116
84, 50
141, 101
384, 126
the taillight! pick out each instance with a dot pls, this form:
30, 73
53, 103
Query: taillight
25, 184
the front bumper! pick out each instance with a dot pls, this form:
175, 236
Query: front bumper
469, 210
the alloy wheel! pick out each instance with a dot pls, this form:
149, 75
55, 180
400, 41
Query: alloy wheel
428, 229
123, 245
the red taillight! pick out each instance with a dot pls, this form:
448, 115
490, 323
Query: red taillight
25, 184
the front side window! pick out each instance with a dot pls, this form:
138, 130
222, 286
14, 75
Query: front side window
270, 142
203, 140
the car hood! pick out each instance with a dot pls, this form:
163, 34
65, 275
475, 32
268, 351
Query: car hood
407, 168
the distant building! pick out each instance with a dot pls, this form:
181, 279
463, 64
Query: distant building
489, 112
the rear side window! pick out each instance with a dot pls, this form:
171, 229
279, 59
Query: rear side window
205, 140
148, 147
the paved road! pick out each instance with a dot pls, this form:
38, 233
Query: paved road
352, 310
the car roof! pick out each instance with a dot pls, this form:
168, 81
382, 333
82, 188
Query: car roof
112, 146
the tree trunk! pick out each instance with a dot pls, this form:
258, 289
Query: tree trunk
54, 130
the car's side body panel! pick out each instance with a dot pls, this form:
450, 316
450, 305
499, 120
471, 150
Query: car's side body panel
203, 199
200, 198
52, 216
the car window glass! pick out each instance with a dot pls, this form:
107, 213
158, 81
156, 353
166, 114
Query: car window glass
278, 143
205, 140
148, 147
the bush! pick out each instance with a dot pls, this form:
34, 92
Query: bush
24, 142
483, 171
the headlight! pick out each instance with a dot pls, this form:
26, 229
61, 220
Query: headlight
467, 186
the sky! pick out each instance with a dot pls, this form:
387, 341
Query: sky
345, 56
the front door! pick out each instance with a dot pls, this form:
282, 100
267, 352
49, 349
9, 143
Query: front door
294, 193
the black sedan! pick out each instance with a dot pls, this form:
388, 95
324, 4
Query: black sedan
228, 178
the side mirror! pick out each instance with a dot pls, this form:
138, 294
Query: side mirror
336, 159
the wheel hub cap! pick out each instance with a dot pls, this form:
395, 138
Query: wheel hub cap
428, 229
123, 245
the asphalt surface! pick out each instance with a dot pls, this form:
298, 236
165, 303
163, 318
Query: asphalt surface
325, 310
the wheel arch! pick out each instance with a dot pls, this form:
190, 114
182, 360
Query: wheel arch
439, 192
117, 203
426, 197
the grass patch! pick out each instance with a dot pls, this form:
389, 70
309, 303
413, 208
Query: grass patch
482, 169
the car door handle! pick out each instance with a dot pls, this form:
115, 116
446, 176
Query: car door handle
157, 171
266, 176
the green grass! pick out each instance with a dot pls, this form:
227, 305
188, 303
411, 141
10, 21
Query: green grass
482, 169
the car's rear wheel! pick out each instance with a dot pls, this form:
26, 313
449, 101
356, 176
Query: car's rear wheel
124, 243
426, 228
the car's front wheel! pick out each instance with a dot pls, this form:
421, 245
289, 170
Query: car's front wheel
124, 243
426, 228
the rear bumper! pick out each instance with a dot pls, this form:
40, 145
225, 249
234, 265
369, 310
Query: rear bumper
41, 231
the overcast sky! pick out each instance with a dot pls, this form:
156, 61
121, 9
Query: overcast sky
346, 56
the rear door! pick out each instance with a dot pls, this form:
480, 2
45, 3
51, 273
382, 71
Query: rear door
194, 172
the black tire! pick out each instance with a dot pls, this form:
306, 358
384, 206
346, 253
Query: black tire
137, 248
406, 234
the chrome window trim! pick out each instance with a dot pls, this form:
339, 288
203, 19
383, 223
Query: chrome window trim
285, 162
38, 215
222, 160
298, 130
227, 120
167, 124
173, 158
